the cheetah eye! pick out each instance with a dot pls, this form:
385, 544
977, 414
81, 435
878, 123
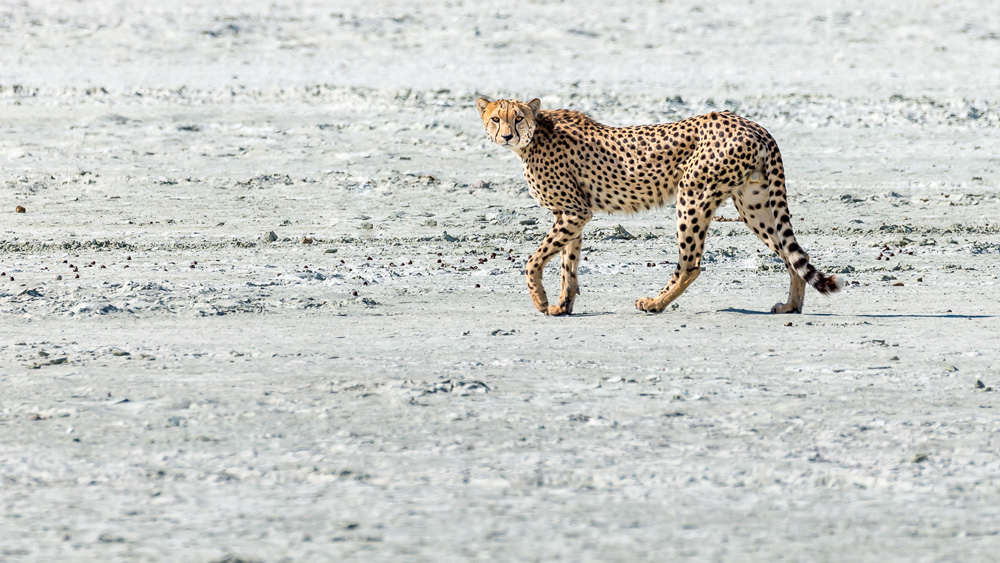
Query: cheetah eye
495, 120
518, 119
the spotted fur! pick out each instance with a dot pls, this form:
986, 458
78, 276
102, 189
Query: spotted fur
575, 166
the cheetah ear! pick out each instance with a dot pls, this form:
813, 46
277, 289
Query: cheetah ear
481, 104
535, 105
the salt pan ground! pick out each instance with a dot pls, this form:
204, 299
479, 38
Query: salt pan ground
371, 381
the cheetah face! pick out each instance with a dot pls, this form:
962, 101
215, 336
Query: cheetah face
509, 123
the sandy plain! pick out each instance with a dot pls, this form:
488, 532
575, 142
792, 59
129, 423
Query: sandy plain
387, 392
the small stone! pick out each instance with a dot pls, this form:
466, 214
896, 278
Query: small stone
19, 209
980, 384
271, 236
449, 238
307, 240
621, 232
58, 278
366, 226
330, 251
919, 458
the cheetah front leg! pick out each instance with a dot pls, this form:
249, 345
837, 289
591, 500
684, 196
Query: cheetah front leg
570, 287
566, 233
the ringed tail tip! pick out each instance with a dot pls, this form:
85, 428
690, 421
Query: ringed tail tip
829, 284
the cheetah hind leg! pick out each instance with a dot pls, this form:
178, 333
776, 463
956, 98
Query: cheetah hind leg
755, 210
694, 216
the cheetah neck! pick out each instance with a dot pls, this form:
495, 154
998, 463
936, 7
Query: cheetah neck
524, 151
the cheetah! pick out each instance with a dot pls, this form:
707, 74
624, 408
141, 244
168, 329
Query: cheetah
576, 166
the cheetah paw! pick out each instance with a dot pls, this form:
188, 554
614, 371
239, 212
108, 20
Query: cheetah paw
786, 308
558, 310
648, 305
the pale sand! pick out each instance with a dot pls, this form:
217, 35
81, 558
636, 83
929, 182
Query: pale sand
252, 406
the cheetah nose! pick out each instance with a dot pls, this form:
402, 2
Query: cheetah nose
507, 137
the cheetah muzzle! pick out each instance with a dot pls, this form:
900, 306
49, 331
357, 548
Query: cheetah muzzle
575, 166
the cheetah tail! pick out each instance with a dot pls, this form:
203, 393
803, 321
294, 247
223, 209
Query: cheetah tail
796, 257
823, 283
799, 260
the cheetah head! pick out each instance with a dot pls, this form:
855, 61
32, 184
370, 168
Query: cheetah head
509, 123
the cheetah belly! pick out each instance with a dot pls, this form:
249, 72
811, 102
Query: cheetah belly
621, 195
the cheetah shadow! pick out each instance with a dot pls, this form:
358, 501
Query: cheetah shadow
867, 316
